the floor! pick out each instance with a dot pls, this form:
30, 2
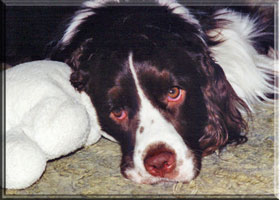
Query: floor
246, 170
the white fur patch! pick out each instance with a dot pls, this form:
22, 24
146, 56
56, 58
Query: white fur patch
98, 3
157, 129
80, 17
86, 11
247, 71
179, 10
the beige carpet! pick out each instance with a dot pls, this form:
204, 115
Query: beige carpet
94, 171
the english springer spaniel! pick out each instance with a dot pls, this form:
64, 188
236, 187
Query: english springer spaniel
170, 83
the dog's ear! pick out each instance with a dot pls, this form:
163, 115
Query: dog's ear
72, 54
225, 121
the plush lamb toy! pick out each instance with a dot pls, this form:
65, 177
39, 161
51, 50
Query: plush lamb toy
45, 119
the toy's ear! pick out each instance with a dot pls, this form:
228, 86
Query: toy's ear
225, 121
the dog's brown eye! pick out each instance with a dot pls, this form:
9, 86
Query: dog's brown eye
118, 114
175, 97
174, 94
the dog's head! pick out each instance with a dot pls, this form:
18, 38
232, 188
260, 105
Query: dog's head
154, 85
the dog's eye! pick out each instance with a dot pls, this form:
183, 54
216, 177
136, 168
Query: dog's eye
118, 114
174, 94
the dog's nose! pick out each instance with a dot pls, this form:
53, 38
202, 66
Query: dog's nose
160, 163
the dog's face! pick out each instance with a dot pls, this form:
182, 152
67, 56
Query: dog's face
155, 88
155, 109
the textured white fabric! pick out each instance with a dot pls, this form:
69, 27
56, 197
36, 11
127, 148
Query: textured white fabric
45, 119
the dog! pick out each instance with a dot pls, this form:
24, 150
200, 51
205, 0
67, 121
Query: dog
170, 83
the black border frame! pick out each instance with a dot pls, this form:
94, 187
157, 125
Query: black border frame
5, 3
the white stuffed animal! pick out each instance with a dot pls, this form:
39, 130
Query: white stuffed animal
45, 119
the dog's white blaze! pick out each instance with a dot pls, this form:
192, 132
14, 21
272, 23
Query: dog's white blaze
157, 129
247, 71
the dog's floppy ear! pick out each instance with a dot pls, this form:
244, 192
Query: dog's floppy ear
225, 121
72, 55
71, 44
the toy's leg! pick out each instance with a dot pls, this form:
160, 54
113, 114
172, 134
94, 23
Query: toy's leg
58, 127
25, 161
